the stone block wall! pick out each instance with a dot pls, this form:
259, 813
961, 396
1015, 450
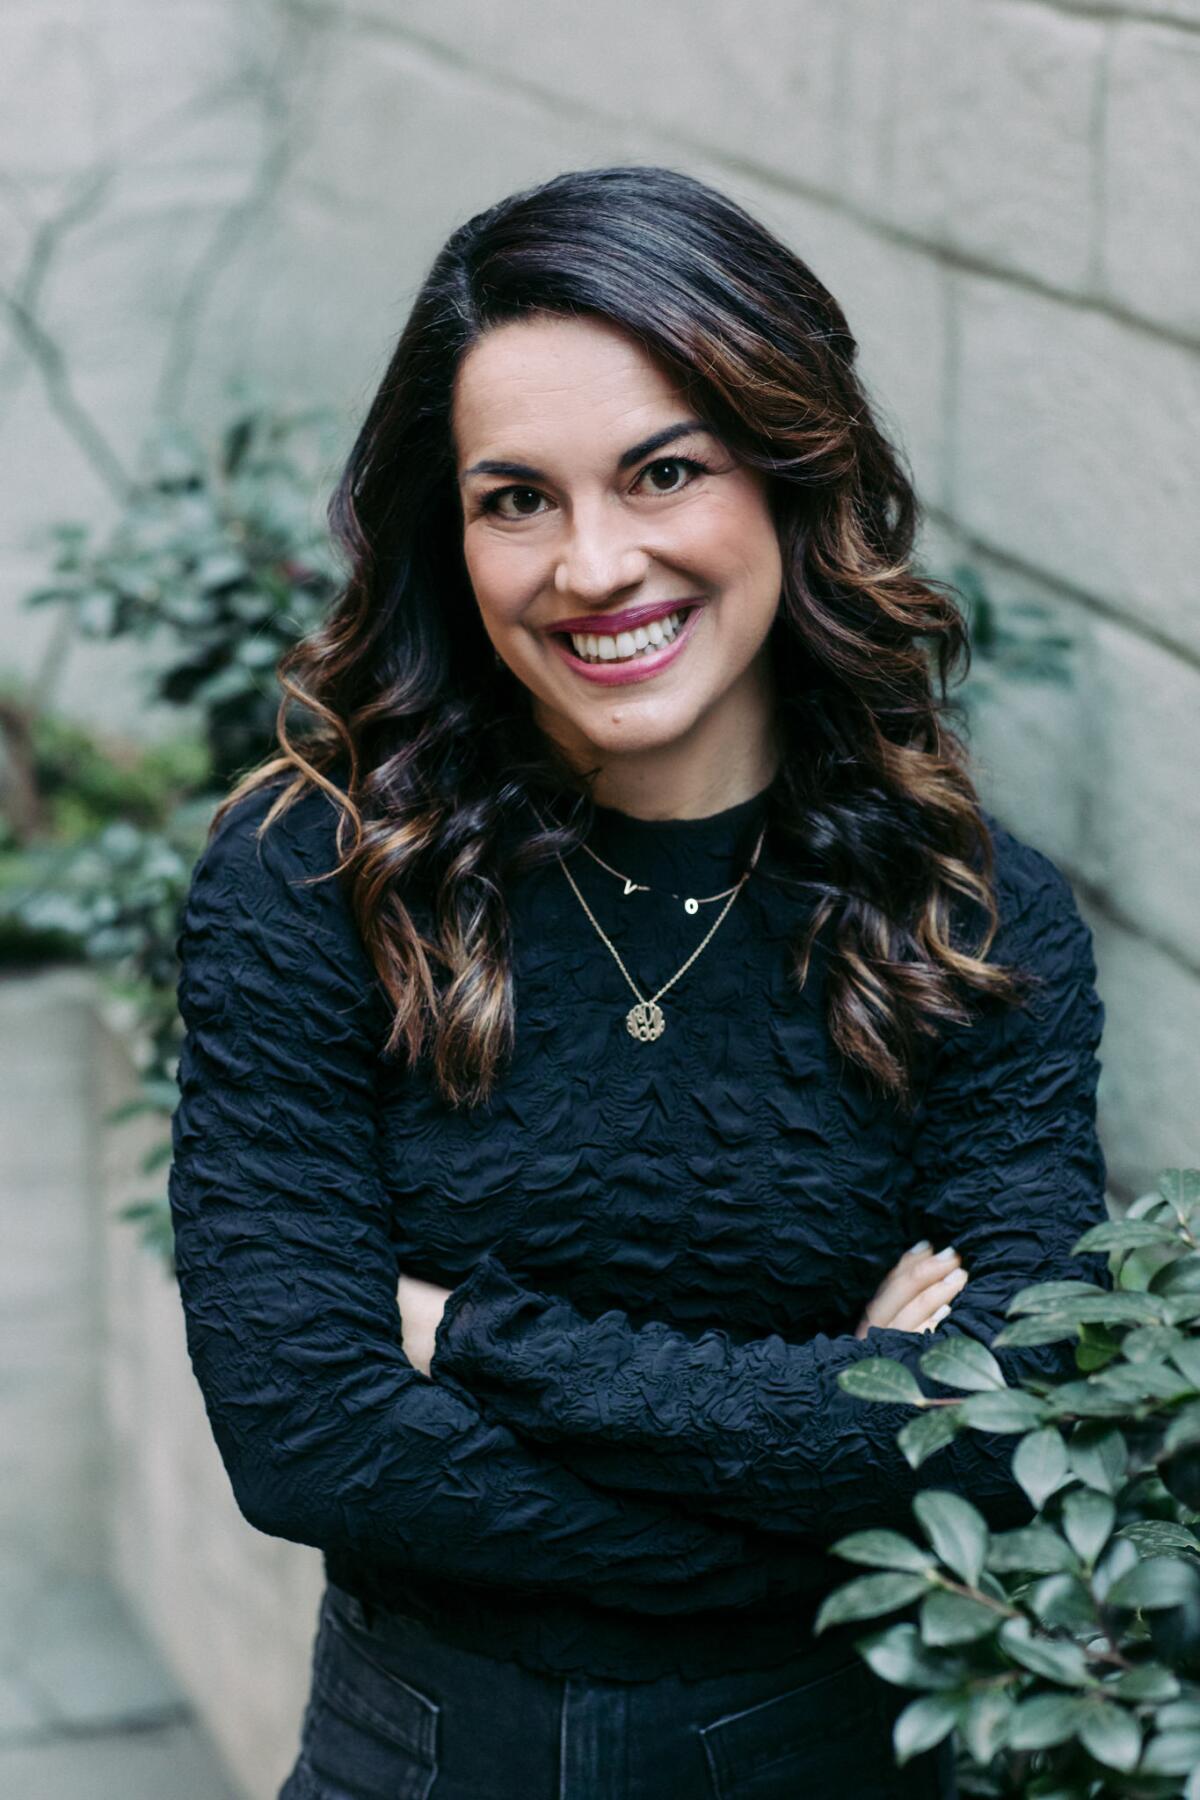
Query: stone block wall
232, 1611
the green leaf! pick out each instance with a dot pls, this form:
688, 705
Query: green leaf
1039, 1328
963, 1362
1125, 1234
1040, 1464
1036, 1549
1184, 1429
1098, 1455
883, 1550
927, 1432
1180, 1276
1156, 1582
923, 1723
1117, 1560
1181, 1189
1013, 1410
1134, 1382
1185, 1354
948, 1618
1110, 1734
1044, 1296
1055, 1658
1151, 1343
956, 1530
985, 1721
1183, 1716
867, 1597
1120, 1306
1080, 1301
1159, 1536
1062, 1602
1171, 1753
156, 1157
1152, 1681
897, 1655
881, 1378
1099, 1345
1044, 1720
1088, 1520
1084, 1400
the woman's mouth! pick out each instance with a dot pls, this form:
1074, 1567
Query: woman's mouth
630, 655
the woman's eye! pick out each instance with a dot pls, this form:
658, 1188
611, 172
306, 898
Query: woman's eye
491, 502
675, 462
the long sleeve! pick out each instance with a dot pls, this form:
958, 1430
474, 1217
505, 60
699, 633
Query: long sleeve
1006, 1164
288, 1273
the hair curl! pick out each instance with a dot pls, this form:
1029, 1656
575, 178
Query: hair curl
440, 754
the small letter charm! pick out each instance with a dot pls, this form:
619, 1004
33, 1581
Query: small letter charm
691, 906
645, 1021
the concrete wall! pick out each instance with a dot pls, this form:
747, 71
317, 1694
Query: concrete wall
50, 1286
232, 1611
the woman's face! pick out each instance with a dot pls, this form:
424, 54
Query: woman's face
594, 499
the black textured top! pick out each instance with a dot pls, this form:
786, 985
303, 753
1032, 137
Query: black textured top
633, 1452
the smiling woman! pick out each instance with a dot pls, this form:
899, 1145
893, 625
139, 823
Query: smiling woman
525, 1303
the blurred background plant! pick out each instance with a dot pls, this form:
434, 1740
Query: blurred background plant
1065, 1653
217, 561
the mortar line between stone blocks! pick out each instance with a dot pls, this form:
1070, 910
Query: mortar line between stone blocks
1064, 590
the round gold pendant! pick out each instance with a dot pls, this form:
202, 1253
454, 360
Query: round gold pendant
645, 1021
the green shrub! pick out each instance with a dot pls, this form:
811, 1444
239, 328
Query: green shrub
1064, 1654
217, 558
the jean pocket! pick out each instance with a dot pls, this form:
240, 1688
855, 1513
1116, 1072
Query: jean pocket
825, 1737
368, 1733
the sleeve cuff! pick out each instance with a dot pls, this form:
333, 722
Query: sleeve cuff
473, 1312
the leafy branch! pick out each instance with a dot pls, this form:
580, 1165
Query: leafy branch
1064, 1653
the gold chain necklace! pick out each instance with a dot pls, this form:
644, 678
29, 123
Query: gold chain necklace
645, 1020
690, 903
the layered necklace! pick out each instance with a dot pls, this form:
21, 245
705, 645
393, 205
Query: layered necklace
645, 1020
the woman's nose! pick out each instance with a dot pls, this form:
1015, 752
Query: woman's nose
598, 560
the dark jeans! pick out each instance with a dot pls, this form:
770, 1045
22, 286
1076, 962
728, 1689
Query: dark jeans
396, 1714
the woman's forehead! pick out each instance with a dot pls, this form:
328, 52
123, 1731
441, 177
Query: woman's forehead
543, 382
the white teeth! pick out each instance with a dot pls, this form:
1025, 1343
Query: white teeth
627, 644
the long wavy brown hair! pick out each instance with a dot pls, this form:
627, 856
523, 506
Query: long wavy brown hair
427, 746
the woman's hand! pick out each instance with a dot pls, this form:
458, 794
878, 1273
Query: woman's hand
916, 1294
421, 1305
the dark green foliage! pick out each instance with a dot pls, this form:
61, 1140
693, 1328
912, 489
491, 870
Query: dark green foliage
219, 563
1065, 1655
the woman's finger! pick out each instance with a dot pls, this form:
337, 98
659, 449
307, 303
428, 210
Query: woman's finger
916, 1315
912, 1275
922, 1312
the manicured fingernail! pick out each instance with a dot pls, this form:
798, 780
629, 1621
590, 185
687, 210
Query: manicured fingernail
958, 1279
946, 1254
923, 1244
939, 1315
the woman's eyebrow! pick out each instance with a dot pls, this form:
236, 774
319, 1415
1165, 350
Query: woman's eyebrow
525, 471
